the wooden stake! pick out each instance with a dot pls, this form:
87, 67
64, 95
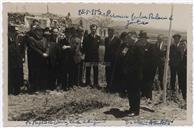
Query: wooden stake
165, 76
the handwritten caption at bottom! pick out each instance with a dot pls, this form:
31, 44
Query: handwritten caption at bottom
97, 122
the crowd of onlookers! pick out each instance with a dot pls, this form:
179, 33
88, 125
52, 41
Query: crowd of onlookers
60, 59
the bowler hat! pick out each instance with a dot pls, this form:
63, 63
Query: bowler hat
93, 26
123, 35
176, 35
133, 33
111, 29
67, 30
143, 35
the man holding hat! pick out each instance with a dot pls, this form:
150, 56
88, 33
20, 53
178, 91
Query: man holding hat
132, 63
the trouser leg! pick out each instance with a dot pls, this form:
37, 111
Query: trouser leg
72, 75
150, 83
172, 78
88, 72
161, 73
95, 68
143, 86
62, 79
182, 81
108, 76
134, 100
81, 72
148, 90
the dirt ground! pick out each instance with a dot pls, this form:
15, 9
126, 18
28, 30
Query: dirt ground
85, 103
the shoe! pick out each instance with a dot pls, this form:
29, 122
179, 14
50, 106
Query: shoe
149, 101
83, 84
107, 89
97, 86
90, 85
128, 111
132, 114
65, 89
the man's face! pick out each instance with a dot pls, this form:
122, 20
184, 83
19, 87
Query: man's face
160, 38
67, 34
110, 33
126, 39
185, 42
46, 33
93, 30
134, 37
80, 34
35, 24
176, 40
16, 30
55, 32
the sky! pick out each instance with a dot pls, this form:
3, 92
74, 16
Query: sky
182, 13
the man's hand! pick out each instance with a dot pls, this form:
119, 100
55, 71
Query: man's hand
83, 56
66, 47
45, 55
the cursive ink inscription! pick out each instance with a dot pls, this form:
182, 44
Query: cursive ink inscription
133, 18
150, 122
63, 122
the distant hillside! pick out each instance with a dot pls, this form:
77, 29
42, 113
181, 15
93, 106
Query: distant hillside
120, 27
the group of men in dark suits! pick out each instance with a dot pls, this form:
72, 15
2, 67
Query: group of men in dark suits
53, 60
131, 61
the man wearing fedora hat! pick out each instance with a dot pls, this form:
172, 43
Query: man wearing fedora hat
176, 63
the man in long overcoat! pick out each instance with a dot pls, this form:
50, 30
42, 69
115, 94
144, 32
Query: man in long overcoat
148, 66
132, 69
15, 65
112, 43
37, 59
117, 75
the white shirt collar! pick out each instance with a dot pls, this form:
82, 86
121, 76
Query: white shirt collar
112, 38
161, 44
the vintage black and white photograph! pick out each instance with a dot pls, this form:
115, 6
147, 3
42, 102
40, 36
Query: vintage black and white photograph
76, 64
